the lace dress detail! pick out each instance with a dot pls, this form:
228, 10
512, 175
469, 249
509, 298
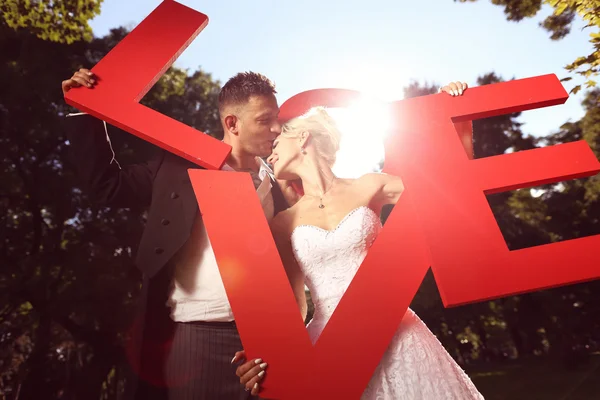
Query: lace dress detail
415, 365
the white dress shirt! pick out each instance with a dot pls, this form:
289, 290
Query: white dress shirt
197, 292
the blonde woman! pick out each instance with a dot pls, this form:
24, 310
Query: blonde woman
323, 240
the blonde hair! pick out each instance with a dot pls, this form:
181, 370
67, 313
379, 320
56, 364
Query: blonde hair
323, 131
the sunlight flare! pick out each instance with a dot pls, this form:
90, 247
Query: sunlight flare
364, 126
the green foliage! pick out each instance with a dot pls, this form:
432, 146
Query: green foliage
415, 89
558, 24
67, 283
62, 21
191, 99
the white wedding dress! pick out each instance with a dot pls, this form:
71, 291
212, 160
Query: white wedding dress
415, 365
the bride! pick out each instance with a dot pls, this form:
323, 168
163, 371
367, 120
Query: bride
349, 210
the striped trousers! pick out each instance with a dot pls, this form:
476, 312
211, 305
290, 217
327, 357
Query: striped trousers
180, 361
199, 367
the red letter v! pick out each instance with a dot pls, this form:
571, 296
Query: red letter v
351, 346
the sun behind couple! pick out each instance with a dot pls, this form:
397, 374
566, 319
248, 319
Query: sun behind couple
323, 240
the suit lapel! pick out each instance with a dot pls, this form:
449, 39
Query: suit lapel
184, 186
279, 202
190, 204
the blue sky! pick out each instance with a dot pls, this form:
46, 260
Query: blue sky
377, 46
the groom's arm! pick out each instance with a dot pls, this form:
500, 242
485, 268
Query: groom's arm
107, 182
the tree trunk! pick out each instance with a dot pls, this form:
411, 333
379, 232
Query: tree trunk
34, 386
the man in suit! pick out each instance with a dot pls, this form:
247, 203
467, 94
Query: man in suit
184, 342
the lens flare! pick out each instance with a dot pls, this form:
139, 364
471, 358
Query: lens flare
364, 126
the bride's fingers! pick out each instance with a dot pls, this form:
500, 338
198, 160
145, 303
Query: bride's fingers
450, 88
460, 86
254, 391
247, 366
456, 88
239, 356
249, 370
253, 384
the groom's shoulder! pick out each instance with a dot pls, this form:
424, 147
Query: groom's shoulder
279, 222
284, 221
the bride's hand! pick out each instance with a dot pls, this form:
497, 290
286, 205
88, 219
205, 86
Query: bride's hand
454, 88
250, 373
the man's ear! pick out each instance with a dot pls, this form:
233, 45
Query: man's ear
231, 124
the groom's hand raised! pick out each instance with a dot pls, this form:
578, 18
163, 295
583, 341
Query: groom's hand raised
250, 373
83, 77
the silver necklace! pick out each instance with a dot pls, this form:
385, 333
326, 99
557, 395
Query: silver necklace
321, 205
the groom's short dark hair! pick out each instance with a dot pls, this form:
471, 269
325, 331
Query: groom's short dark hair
244, 85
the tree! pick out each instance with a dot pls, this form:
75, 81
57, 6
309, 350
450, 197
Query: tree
62, 21
68, 283
559, 25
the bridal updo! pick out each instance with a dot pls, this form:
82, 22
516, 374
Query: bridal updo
323, 130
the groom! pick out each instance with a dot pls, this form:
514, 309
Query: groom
183, 345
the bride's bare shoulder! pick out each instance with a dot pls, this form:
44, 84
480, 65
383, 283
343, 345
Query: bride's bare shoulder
385, 188
376, 178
